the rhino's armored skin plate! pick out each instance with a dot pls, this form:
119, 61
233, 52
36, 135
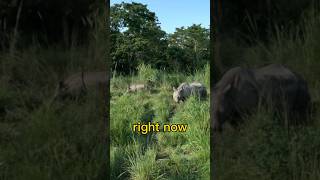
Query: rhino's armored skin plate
285, 90
235, 93
76, 84
241, 90
185, 90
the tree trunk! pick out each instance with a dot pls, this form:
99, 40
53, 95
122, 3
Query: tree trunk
217, 13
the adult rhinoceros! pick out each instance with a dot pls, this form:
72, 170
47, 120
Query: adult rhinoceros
241, 90
78, 83
185, 90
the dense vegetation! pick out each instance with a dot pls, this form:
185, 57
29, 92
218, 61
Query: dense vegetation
39, 140
48, 22
136, 38
44, 41
162, 155
143, 53
263, 148
247, 19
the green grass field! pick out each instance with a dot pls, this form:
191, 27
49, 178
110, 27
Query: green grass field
161, 155
64, 140
263, 148
38, 140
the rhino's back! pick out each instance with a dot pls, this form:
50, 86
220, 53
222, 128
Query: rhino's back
274, 72
228, 77
199, 88
196, 84
183, 86
239, 78
275, 77
94, 78
78, 80
74, 81
277, 82
136, 87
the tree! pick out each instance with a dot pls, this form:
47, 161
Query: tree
136, 37
50, 21
190, 46
257, 19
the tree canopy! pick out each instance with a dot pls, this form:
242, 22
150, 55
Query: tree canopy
189, 46
50, 21
137, 38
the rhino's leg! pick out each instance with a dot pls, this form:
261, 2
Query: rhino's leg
216, 126
302, 106
234, 122
217, 122
300, 114
203, 95
182, 99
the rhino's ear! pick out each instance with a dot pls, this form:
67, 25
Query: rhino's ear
174, 89
236, 81
226, 89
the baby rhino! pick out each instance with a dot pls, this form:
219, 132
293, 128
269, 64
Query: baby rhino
136, 87
185, 90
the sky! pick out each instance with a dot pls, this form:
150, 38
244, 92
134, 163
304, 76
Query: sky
173, 14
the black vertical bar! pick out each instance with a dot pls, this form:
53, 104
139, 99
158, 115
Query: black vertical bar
212, 24
215, 30
107, 92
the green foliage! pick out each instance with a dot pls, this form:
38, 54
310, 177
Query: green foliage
147, 74
144, 165
203, 76
256, 19
269, 151
262, 148
44, 143
125, 113
173, 80
136, 37
62, 140
188, 47
164, 155
51, 21
117, 158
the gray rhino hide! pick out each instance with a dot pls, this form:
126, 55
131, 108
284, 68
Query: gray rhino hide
185, 90
240, 90
136, 87
234, 94
77, 84
285, 90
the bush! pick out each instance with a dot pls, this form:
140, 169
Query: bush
147, 74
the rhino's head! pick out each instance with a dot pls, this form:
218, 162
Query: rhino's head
61, 91
176, 95
221, 106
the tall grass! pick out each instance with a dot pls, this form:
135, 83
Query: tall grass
263, 148
61, 141
159, 155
